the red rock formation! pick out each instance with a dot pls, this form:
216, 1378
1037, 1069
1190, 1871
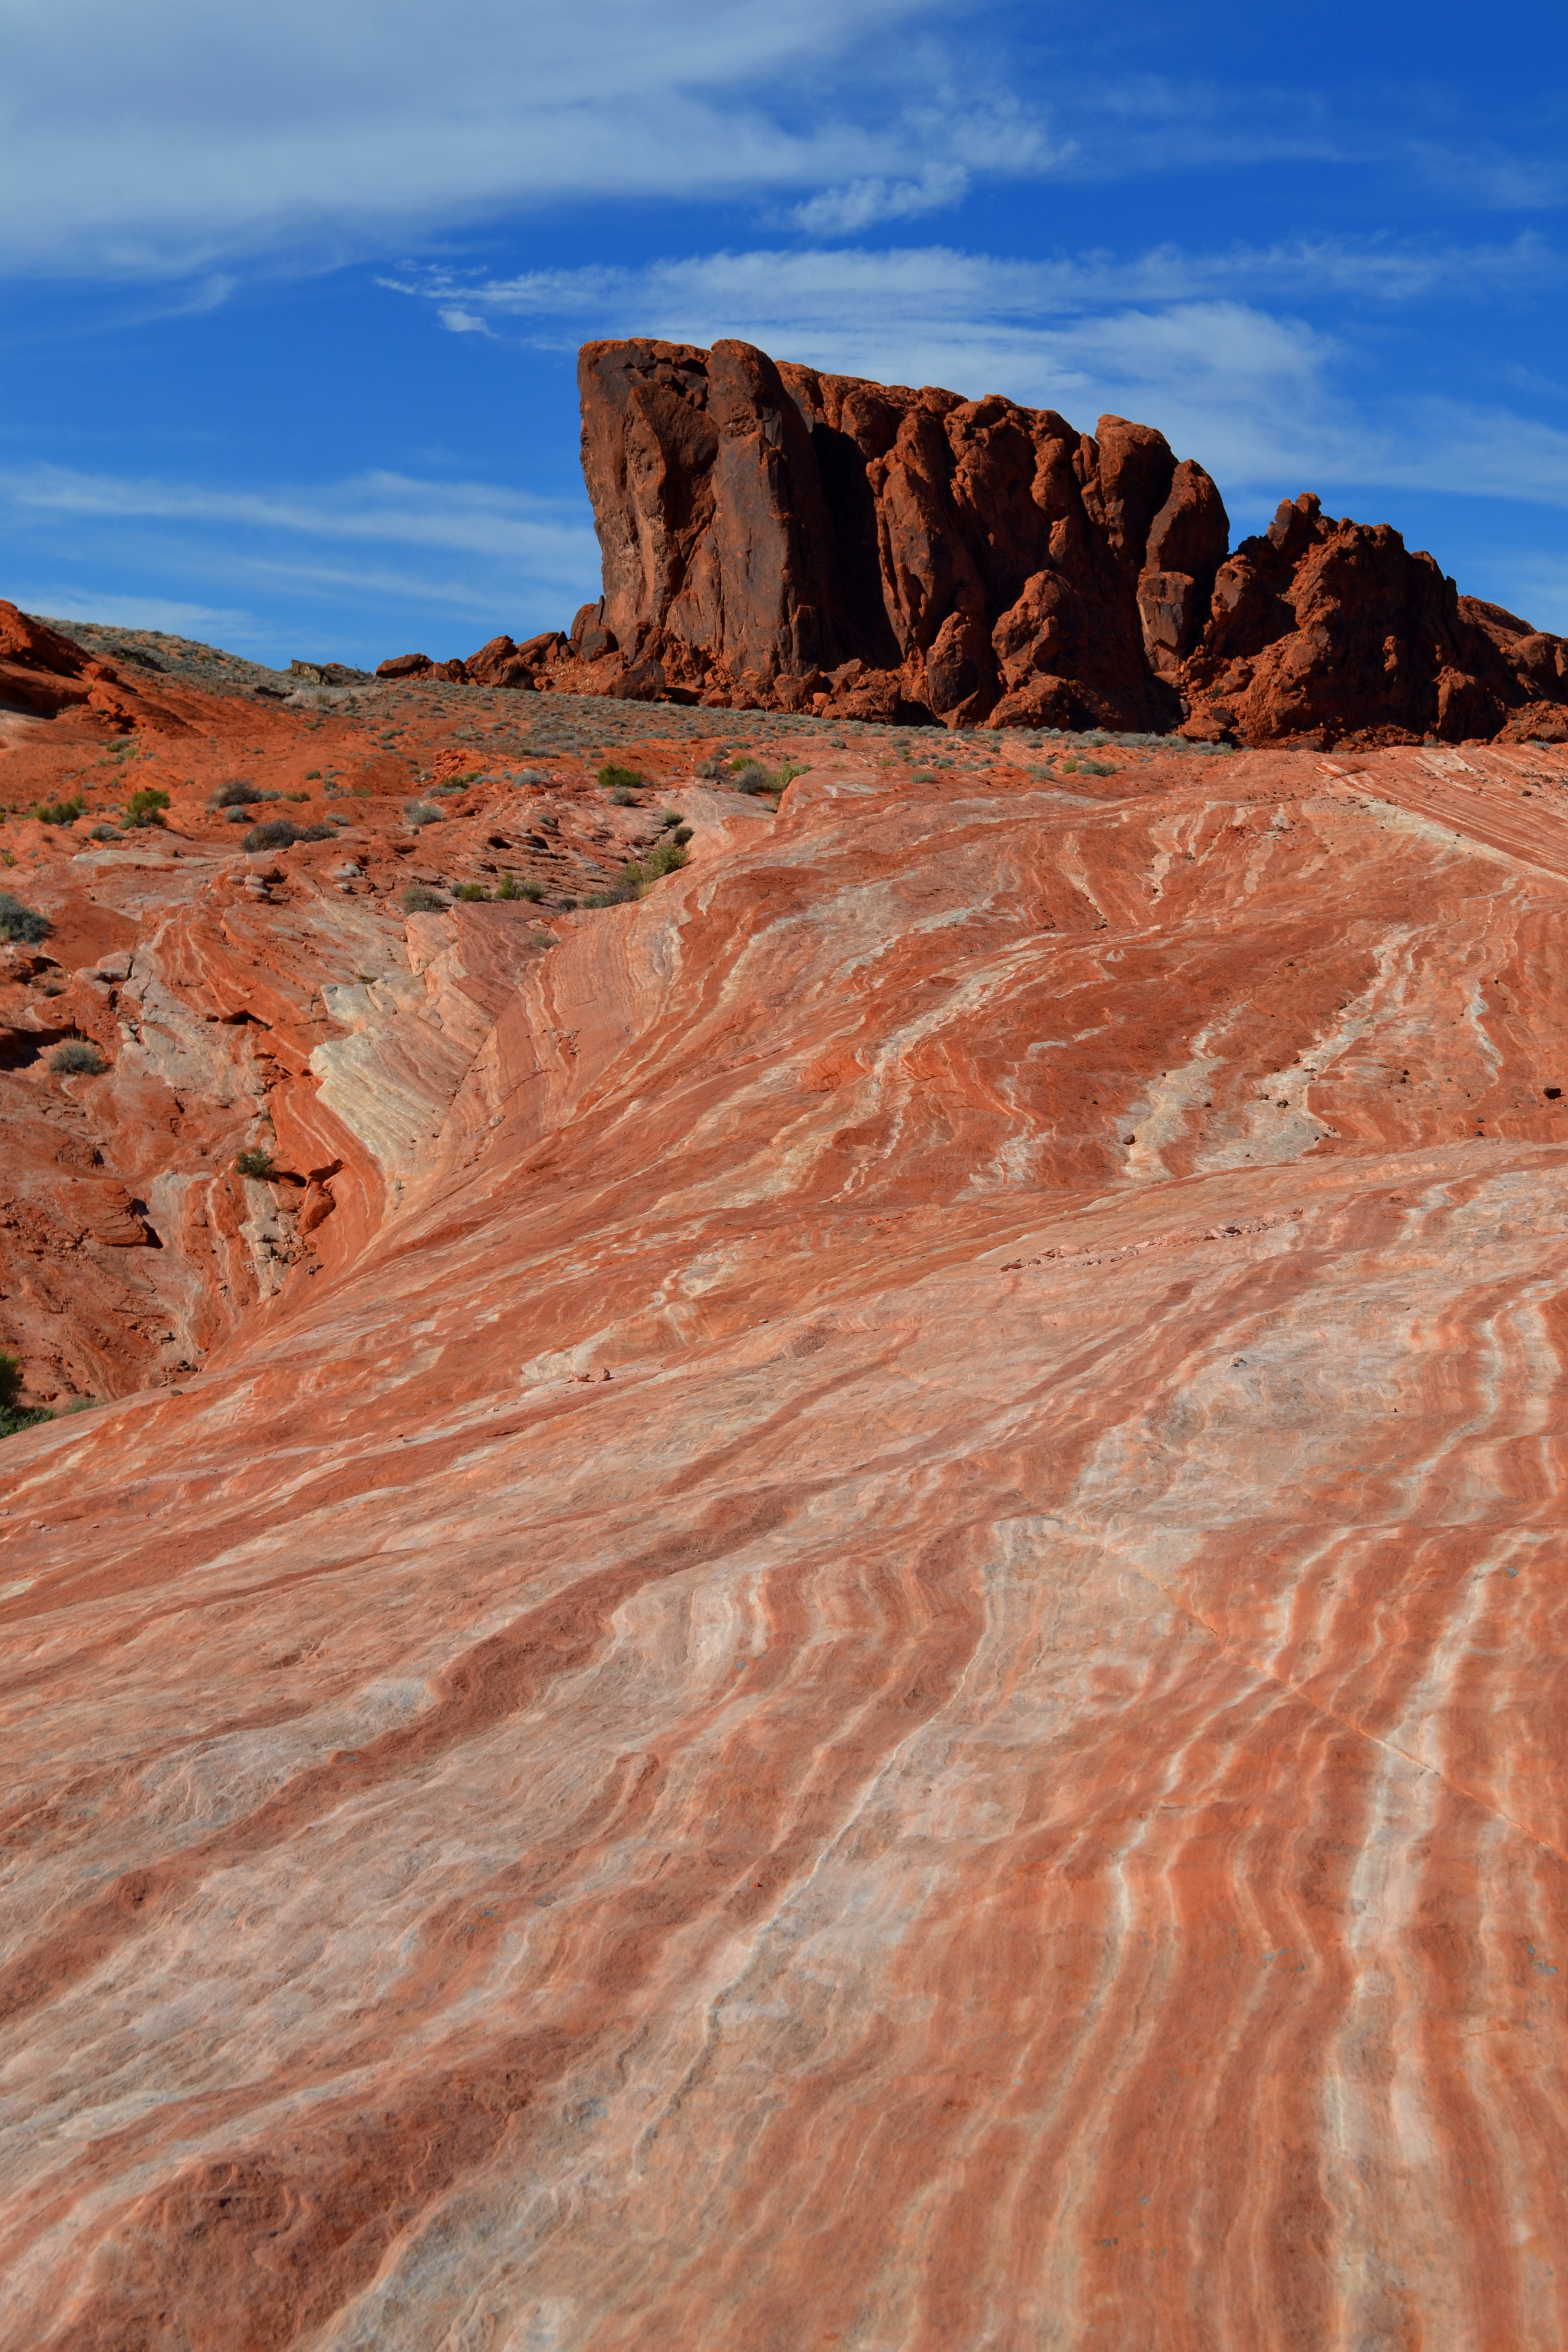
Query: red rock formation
774, 537
884, 1667
1327, 632
42, 674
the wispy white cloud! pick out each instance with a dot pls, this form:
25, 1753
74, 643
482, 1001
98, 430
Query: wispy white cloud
459, 321
359, 567
175, 135
1195, 342
816, 290
546, 536
1179, 337
843, 211
1535, 586
81, 599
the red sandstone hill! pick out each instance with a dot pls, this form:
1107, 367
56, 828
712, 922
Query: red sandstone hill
774, 538
839, 1619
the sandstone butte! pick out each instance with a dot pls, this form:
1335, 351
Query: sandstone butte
841, 1621
778, 538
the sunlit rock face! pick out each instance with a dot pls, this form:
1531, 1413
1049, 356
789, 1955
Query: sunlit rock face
776, 538
879, 1666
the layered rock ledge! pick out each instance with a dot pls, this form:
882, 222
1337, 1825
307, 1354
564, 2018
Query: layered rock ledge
879, 1662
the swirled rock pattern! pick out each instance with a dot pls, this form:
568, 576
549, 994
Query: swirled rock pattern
886, 1668
777, 538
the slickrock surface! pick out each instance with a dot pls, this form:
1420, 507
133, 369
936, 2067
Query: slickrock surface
775, 538
884, 1666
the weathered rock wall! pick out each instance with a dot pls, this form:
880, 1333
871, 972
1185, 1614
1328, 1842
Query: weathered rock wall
775, 536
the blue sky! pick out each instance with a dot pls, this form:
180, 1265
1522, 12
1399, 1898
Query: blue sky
289, 299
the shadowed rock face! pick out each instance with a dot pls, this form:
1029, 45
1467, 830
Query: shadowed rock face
774, 537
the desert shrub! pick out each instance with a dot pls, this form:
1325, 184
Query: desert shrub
103, 833
470, 890
15, 1415
78, 1059
256, 1163
616, 779
282, 833
681, 835
420, 899
640, 875
236, 793
58, 812
751, 776
19, 922
79, 1404
513, 886
664, 857
420, 813
145, 807
1086, 767
711, 768
239, 816
10, 1380
296, 797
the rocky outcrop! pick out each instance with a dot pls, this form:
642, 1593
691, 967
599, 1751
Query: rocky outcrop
43, 673
777, 538
1326, 632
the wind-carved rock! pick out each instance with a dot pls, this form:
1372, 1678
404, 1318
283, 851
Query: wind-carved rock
774, 537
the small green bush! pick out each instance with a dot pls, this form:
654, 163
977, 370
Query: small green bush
616, 780
19, 922
420, 899
78, 1059
282, 833
514, 886
145, 807
750, 775
103, 833
254, 1163
419, 812
296, 797
13, 1415
681, 835
664, 857
58, 812
235, 794
470, 890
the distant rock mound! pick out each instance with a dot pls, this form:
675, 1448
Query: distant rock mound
776, 538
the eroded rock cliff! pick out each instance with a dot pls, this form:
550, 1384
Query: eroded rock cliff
778, 537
